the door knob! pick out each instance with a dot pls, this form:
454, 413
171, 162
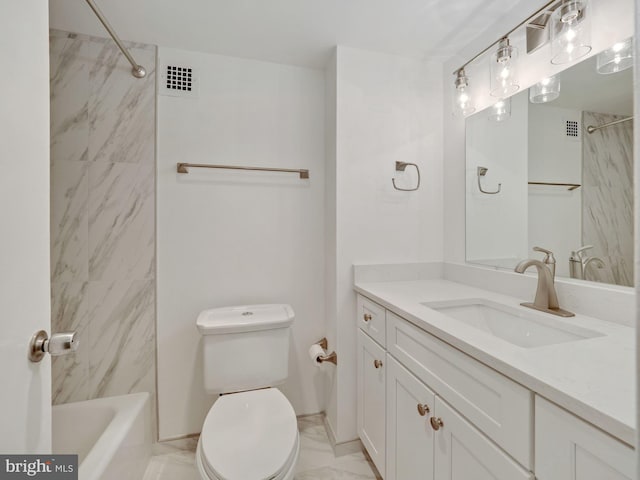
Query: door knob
59, 344
367, 317
377, 363
436, 423
423, 409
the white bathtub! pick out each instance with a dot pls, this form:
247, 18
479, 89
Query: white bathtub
112, 436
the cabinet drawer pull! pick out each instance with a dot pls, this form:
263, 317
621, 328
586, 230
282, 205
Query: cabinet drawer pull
423, 409
377, 363
436, 423
367, 317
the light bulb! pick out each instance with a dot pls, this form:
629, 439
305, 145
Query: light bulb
503, 69
546, 90
570, 32
617, 58
462, 98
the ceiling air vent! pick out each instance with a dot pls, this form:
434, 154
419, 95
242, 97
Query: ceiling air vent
178, 81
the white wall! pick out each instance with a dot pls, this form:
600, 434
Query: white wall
388, 109
330, 244
25, 403
555, 213
232, 238
497, 224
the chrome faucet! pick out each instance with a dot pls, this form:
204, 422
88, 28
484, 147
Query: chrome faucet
546, 297
579, 263
597, 261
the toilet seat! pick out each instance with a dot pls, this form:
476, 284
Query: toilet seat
249, 436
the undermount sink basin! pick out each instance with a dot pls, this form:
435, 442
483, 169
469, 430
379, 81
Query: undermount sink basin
514, 325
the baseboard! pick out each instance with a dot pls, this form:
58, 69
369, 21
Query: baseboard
342, 448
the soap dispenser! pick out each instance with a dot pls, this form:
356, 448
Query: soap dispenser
575, 266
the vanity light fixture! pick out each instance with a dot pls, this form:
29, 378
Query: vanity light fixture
617, 58
504, 62
546, 90
462, 100
501, 110
570, 32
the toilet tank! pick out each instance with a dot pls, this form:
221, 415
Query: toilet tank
245, 347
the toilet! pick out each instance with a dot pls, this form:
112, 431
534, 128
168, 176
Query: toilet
250, 432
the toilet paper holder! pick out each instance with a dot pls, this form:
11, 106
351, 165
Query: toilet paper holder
330, 357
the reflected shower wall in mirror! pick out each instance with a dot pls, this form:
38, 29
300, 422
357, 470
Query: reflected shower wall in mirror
561, 185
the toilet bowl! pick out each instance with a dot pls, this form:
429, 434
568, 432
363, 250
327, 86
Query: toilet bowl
250, 432
249, 436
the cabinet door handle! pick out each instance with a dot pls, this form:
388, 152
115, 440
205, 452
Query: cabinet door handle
423, 409
367, 317
436, 423
377, 363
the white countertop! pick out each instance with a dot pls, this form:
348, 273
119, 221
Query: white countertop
593, 378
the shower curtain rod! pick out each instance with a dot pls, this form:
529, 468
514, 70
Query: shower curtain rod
591, 128
137, 71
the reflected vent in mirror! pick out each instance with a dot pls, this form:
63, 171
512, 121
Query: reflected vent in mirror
178, 81
572, 129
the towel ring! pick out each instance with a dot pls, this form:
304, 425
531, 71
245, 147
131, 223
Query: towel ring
482, 171
400, 167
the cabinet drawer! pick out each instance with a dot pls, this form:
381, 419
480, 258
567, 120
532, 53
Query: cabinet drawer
568, 448
499, 407
371, 319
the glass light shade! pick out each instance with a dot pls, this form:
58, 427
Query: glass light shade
617, 58
504, 72
462, 98
546, 90
570, 32
501, 110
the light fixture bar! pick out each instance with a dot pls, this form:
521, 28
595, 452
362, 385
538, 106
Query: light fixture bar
524, 22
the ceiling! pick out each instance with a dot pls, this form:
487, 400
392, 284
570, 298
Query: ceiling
296, 32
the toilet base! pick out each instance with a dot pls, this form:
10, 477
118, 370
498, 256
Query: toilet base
288, 474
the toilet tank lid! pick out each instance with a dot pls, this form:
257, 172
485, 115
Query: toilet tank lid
246, 318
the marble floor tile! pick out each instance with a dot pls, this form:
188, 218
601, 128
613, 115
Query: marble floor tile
176, 460
172, 466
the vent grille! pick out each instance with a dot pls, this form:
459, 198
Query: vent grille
179, 78
571, 128
178, 81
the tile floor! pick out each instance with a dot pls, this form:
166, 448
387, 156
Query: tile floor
175, 460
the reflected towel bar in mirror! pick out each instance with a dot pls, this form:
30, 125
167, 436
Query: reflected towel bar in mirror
184, 168
571, 186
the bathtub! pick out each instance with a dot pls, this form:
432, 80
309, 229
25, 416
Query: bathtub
112, 436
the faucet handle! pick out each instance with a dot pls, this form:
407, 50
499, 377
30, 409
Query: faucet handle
548, 258
580, 252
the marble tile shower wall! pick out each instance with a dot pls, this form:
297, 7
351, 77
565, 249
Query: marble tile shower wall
607, 197
102, 217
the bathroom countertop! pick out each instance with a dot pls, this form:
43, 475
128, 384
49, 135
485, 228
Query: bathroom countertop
593, 378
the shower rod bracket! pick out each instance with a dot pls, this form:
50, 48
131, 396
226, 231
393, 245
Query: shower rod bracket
137, 70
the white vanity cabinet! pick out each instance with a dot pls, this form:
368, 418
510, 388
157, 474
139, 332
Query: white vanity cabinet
371, 373
568, 448
428, 440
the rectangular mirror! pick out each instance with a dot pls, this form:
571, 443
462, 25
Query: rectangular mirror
556, 175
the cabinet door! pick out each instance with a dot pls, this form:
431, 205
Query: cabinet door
371, 375
409, 433
463, 453
568, 448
